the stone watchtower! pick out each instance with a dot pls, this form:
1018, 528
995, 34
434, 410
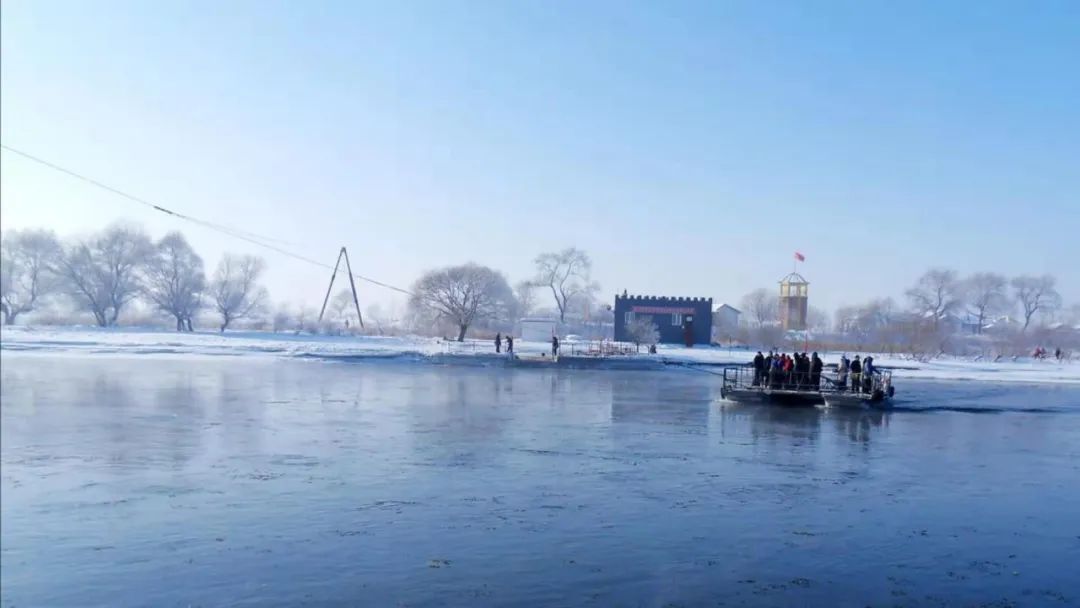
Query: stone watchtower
793, 302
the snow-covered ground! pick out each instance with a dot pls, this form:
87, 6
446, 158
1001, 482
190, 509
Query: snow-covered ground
131, 341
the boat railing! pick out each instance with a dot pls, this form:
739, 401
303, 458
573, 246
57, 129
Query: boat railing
745, 377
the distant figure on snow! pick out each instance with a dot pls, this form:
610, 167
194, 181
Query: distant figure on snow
498, 342
554, 346
509, 345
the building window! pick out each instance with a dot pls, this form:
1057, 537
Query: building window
676, 319
628, 318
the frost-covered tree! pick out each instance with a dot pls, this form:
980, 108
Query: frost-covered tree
761, 307
175, 280
235, 288
567, 274
985, 295
28, 259
342, 309
102, 274
817, 319
461, 295
1035, 294
642, 331
936, 294
525, 295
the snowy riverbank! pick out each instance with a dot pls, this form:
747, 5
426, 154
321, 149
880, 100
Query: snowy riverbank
153, 342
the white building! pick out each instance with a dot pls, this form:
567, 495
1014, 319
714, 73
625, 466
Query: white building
537, 329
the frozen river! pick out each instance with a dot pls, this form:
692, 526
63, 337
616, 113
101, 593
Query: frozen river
176, 481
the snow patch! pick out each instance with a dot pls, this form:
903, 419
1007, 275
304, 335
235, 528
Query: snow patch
134, 341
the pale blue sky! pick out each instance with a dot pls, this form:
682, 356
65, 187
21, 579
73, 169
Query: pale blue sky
690, 148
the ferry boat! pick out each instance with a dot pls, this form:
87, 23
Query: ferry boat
742, 385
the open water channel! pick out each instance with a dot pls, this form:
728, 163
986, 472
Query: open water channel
232, 481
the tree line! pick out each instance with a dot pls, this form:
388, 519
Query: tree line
105, 273
108, 271
939, 310
466, 295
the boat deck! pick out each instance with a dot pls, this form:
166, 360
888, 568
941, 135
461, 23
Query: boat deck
742, 384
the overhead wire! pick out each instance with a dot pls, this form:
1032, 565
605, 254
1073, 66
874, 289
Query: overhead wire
250, 237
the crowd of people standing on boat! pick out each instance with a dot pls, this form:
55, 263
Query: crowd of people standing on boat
802, 372
779, 370
861, 372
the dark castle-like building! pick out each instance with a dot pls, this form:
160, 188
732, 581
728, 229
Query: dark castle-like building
679, 320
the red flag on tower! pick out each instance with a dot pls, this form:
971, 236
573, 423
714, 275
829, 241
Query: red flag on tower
800, 257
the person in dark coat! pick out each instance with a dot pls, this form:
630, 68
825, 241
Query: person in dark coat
868, 374
509, 345
856, 374
759, 367
554, 346
816, 365
498, 342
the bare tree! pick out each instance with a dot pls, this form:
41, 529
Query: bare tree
1035, 294
377, 318
102, 273
985, 295
461, 294
283, 319
642, 331
340, 305
1072, 315
870, 323
175, 280
567, 274
525, 294
235, 288
817, 319
761, 306
936, 294
27, 261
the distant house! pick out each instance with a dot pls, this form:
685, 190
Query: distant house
726, 317
679, 320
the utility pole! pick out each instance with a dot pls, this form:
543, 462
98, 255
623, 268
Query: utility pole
352, 283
